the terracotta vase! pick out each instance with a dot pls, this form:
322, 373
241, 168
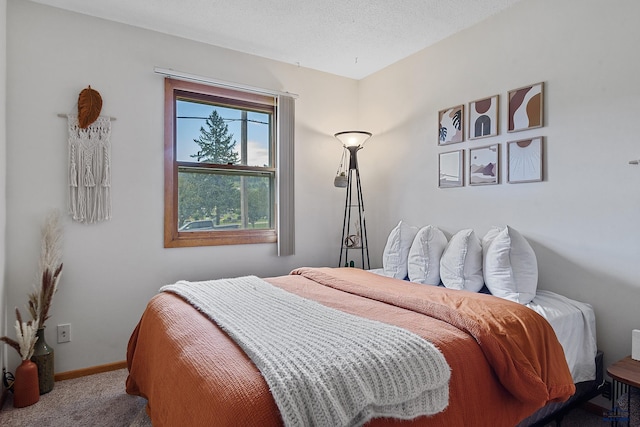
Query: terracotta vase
43, 358
26, 390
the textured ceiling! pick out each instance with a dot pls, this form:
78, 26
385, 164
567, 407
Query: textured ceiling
351, 38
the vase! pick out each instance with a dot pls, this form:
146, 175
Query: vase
26, 390
43, 358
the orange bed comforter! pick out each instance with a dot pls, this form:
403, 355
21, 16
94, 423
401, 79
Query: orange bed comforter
505, 359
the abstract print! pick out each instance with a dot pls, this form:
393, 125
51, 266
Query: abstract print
483, 165
483, 117
525, 108
451, 169
525, 160
451, 121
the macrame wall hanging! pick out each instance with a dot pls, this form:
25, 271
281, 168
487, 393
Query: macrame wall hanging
89, 160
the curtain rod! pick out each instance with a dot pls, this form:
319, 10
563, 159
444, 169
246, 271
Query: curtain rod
195, 78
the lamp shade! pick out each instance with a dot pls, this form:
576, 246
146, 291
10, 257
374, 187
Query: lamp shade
353, 138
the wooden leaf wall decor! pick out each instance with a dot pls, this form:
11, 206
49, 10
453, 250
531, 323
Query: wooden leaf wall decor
89, 107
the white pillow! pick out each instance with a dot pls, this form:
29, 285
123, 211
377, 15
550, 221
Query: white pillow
486, 242
426, 250
461, 262
396, 251
510, 265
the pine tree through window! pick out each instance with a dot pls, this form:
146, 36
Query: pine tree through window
219, 166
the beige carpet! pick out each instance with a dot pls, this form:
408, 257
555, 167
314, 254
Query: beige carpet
95, 400
100, 400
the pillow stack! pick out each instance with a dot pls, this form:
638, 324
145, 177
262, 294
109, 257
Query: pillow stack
503, 260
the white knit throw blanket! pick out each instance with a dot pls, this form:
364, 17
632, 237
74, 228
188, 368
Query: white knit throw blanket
324, 367
90, 170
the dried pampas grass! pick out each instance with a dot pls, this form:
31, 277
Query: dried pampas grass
50, 269
26, 334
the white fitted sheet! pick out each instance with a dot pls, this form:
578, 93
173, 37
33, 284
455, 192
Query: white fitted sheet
574, 323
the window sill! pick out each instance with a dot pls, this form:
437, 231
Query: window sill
218, 238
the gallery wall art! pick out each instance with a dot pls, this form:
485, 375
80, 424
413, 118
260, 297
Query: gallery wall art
525, 108
484, 165
523, 162
483, 117
524, 159
451, 125
451, 169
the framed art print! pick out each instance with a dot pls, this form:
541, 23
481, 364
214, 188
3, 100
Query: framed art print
483, 117
524, 160
451, 125
484, 165
526, 108
451, 169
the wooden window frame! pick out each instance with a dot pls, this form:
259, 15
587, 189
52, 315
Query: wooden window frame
177, 239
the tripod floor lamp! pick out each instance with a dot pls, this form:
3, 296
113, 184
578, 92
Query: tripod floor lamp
354, 226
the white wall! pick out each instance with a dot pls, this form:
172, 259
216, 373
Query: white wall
112, 269
580, 220
583, 219
3, 174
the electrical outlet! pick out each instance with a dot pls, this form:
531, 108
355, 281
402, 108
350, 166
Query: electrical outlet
64, 333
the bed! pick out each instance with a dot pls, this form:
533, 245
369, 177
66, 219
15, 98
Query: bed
503, 372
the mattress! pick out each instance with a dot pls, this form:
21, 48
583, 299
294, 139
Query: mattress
574, 323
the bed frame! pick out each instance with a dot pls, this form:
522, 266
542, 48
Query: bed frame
556, 411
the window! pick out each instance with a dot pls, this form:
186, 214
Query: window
220, 166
